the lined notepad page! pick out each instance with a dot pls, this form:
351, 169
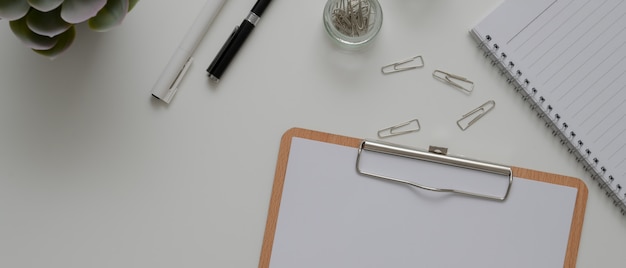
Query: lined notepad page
570, 58
330, 216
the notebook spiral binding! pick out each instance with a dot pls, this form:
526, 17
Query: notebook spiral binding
552, 120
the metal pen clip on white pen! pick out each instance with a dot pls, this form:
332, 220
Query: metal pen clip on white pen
179, 63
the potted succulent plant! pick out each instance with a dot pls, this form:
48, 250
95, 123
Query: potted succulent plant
48, 26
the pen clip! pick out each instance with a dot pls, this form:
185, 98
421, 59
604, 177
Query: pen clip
218, 57
179, 77
182, 73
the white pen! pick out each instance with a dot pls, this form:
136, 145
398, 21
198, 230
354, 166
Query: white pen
175, 70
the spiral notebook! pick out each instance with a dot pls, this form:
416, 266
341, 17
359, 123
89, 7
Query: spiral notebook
567, 58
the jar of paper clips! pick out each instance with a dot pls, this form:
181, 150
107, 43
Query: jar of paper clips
353, 23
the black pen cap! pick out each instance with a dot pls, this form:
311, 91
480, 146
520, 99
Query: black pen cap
260, 6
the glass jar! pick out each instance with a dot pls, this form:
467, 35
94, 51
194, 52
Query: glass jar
353, 23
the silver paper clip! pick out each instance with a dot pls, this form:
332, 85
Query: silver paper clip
478, 113
399, 129
465, 84
401, 66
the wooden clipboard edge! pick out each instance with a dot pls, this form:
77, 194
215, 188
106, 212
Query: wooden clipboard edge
571, 254
281, 169
279, 180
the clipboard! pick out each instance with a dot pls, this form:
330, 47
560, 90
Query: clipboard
339, 217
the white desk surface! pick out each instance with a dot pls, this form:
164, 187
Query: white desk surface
96, 173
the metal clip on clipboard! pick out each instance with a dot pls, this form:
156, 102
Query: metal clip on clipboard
435, 155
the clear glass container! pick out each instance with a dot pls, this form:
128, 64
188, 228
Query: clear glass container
353, 23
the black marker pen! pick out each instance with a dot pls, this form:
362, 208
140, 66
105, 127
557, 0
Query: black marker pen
236, 39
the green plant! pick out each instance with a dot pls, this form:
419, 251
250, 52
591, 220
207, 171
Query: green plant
48, 26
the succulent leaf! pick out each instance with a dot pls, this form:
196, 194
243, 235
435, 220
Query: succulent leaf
13, 9
64, 41
109, 16
131, 4
77, 11
47, 26
45, 5
29, 38
46, 23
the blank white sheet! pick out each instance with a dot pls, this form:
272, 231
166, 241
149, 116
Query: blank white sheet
330, 216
